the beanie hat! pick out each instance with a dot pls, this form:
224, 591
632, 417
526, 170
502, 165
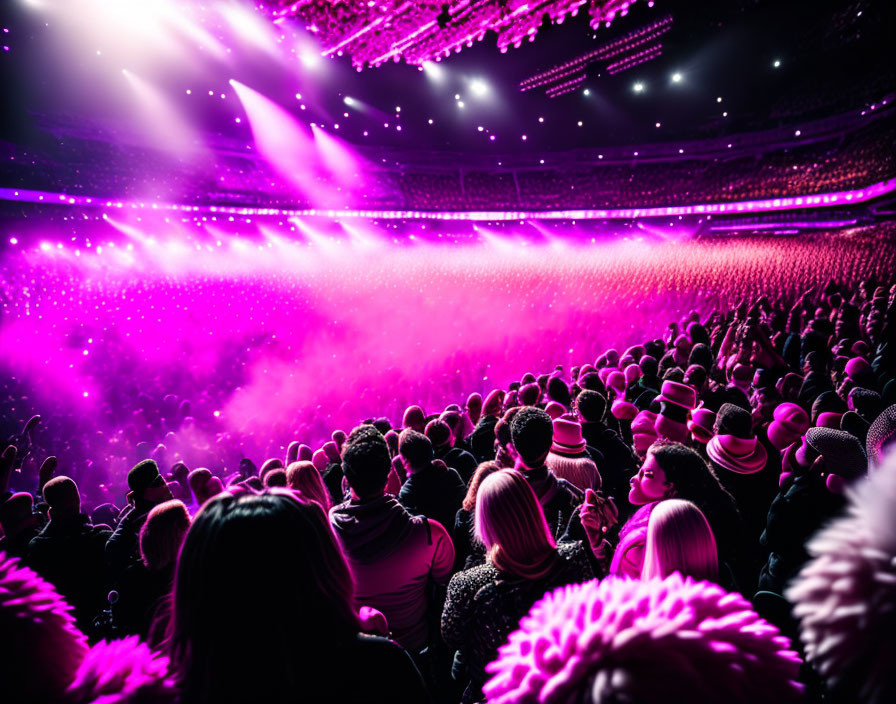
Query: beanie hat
859, 372
828, 420
881, 436
493, 403
529, 394
790, 423
632, 374
554, 410
623, 410
616, 382
568, 440
635, 352
845, 596
622, 640
675, 402
338, 436
319, 460
859, 348
612, 357
145, 474
844, 456
474, 403
644, 431
701, 424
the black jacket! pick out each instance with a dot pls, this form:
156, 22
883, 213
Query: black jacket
435, 492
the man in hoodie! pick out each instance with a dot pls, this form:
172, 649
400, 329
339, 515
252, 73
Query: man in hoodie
392, 555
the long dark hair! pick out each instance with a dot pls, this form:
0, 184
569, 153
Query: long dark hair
261, 585
695, 481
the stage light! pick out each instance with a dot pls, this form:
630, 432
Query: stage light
460, 103
429, 120
348, 101
638, 87
480, 128
719, 99
776, 63
658, 125
13, 240
586, 92
433, 71
676, 77
478, 87
580, 123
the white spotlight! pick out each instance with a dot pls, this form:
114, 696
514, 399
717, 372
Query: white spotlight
638, 87
676, 77
348, 101
478, 87
433, 71
777, 63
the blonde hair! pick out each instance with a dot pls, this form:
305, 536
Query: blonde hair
679, 539
163, 533
581, 472
304, 478
511, 525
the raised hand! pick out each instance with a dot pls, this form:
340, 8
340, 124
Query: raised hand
598, 514
45, 473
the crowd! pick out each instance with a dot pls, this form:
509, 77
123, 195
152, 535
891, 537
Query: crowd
643, 526
100, 169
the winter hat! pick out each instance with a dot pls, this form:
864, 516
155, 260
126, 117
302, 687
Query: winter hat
493, 403
623, 410
319, 460
644, 431
635, 352
338, 436
734, 447
632, 374
554, 410
860, 373
616, 382
529, 394
332, 451
790, 423
623, 640
827, 402
603, 374
413, 417
867, 404
845, 596
145, 474
528, 378
828, 419
881, 437
844, 456
675, 402
859, 348
701, 424
568, 440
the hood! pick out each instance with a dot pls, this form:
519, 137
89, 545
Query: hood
373, 530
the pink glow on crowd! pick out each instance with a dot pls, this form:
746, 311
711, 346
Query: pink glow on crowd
274, 336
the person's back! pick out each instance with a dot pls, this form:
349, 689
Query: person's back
393, 556
431, 489
70, 551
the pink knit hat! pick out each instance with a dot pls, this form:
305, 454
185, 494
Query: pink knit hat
739, 455
332, 451
701, 423
789, 424
623, 410
612, 357
829, 419
568, 440
555, 410
644, 431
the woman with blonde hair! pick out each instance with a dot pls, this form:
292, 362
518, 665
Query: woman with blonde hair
303, 477
679, 539
485, 603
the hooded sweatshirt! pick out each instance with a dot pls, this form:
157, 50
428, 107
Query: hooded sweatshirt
392, 556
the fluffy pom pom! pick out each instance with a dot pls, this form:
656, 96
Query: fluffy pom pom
623, 640
845, 597
44, 647
122, 672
